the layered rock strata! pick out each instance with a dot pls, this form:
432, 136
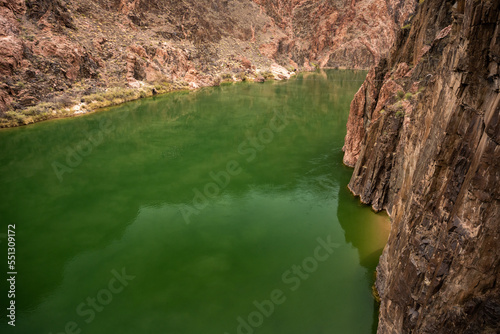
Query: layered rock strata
424, 140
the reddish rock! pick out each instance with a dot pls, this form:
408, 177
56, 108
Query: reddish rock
139, 50
8, 24
246, 63
387, 93
355, 127
401, 70
17, 7
269, 49
11, 50
5, 98
353, 34
104, 43
364, 103
70, 55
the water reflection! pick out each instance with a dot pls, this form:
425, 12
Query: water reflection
367, 233
119, 207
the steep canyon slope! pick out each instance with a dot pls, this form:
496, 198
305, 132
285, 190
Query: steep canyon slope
424, 139
58, 57
339, 33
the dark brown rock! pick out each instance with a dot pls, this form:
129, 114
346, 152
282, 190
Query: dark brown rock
260, 79
432, 160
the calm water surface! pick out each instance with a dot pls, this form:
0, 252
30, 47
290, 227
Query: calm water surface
223, 210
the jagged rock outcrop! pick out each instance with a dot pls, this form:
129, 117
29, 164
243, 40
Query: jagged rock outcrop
62, 51
424, 136
341, 33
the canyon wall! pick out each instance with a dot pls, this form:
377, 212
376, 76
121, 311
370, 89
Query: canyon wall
340, 33
424, 140
57, 54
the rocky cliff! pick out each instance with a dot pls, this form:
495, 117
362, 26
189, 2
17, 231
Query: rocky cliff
424, 140
60, 57
340, 33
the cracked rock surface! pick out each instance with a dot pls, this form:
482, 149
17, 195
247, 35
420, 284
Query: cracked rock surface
424, 140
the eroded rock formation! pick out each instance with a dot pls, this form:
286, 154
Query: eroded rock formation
340, 33
424, 137
59, 51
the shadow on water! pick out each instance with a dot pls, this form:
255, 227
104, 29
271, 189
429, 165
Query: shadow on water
367, 233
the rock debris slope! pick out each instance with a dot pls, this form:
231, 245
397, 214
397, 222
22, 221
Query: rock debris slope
340, 33
424, 139
56, 55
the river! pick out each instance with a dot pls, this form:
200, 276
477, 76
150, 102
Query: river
222, 210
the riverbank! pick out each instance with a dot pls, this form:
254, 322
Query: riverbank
55, 55
63, 106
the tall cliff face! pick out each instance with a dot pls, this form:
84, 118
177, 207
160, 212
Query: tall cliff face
59, 51
424, 137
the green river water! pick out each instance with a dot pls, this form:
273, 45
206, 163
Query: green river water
223, 210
